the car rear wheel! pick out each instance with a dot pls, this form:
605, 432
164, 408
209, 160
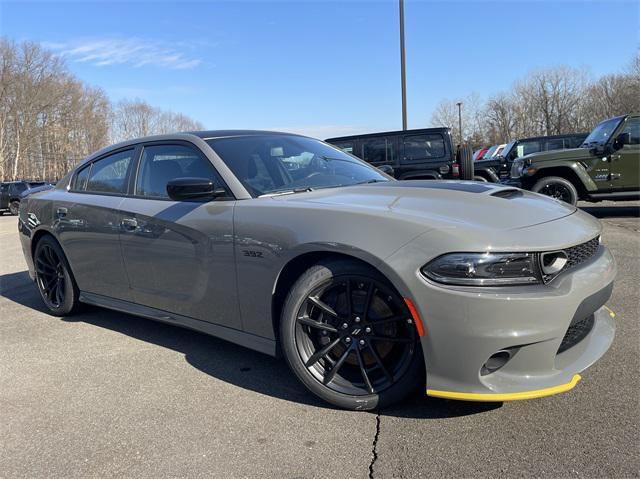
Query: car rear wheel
349, 337
54, 279
558, 188
14, 208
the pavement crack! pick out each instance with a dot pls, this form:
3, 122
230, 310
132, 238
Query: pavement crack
374, 446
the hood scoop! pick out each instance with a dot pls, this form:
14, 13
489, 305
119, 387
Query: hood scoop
507, 193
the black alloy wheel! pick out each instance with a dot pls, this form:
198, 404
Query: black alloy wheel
53, 278
557, 188
354, 339
14, 208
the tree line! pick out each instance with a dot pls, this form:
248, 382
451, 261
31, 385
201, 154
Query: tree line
50, 120
549, 101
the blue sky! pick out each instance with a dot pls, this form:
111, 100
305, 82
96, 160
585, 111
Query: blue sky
322, 68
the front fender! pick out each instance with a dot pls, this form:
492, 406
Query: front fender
577, 167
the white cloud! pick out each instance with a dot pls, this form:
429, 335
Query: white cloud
136, 52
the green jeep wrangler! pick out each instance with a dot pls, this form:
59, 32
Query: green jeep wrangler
605, 167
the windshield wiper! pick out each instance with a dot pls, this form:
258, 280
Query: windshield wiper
373, 180
287, 192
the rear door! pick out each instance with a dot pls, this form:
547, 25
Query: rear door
625, 163
4, 196
179, 254
88, 224
380, 150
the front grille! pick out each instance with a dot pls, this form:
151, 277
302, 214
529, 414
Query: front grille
576, 255
577, 332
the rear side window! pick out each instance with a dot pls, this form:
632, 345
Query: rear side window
378, 150
162, 163
109, 174
80, 181
423, 147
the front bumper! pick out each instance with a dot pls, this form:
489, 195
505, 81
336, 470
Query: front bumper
464, 327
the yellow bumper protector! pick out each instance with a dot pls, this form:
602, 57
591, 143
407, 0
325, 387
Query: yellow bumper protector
496, 397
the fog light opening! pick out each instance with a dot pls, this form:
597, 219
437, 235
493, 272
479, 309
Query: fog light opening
495, 362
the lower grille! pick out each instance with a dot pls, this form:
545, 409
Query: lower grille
576, 333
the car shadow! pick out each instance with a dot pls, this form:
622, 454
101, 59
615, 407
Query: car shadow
613, 211
225, 361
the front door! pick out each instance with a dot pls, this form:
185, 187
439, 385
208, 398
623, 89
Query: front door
625, 163
179, 254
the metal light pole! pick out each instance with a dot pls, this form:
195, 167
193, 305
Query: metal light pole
460, 120
402, 68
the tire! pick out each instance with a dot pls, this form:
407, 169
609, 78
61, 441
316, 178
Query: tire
14, 208
465, 159
558, 188
54, 279
353, 367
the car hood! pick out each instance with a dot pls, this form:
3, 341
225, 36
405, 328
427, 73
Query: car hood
568, 154
439, 204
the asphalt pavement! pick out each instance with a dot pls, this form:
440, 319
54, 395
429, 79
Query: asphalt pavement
103, 394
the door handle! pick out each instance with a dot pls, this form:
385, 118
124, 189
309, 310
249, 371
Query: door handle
615, 157
129, 224
614, 176
61, 212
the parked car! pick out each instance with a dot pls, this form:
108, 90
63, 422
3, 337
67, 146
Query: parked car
605, 167
499, 166
11, 192
411, 154
365, 284
478, 154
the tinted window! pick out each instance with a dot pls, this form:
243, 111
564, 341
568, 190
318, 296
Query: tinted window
378, 150
162, 163
633, 128
573, 141
555, 144
423, 147
108, 175
20, 187
283, 163
527, 147
346, 146
80, 181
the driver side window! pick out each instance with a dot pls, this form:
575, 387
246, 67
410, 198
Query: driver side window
160, 164
633, 128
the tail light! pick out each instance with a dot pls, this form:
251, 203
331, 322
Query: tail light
455, 169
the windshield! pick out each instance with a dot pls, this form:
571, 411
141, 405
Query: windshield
267, 164
601, 133
489, 152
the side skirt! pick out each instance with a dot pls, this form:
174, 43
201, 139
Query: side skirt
251, 341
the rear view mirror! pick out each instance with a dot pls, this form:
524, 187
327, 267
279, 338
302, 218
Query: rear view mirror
180, 189
388, 169
621, 140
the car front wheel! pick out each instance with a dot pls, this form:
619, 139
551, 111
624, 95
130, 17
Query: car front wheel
349, 337
14, 208
558, 188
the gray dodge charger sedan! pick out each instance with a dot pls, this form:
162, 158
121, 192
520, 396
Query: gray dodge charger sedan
366, 285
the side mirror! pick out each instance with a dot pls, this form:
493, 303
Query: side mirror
180, 189
621, 140
388, 169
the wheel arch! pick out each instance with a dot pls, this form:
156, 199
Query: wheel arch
297, 265
566, 172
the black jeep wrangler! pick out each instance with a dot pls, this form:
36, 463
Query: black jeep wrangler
412, 154
498, 168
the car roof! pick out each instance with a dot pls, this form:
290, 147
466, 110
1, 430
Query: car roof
440, 129
211, 134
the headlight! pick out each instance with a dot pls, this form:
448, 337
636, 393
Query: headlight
484, 269
516, 168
